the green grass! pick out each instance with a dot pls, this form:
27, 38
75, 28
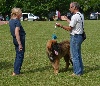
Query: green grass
36, 69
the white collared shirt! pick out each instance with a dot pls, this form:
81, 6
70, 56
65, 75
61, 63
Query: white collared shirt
76, 23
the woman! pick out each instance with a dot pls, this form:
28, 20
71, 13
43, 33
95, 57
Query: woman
18, 35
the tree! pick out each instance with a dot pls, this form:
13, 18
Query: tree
43, 7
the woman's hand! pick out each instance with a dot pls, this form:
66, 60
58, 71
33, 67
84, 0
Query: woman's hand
20, 47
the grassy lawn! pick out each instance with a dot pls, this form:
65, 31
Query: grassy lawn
36, 69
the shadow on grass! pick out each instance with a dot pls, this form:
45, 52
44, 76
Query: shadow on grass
48, 68
90, 69
87, 69
5, 65
65, 70
39, 69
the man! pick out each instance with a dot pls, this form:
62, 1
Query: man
76, 29
58, 15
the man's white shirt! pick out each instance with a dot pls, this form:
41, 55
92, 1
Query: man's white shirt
76, 23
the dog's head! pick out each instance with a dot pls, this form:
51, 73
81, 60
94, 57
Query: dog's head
52, 49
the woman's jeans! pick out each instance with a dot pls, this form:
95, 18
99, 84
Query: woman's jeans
19, 54
75, 49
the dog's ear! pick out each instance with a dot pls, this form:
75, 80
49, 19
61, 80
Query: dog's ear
50, 43
54, 41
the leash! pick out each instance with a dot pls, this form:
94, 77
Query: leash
54, 35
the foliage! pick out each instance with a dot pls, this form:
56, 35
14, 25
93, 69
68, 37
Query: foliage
36, 69
43, 7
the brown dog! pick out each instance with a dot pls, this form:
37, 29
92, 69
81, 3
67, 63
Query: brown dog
56, 51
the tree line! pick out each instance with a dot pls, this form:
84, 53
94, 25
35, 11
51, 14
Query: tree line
43, 7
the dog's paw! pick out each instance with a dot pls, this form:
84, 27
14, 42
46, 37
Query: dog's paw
56, 72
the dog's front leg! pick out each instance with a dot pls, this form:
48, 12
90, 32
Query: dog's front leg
56, 66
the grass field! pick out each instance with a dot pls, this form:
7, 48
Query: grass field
36, 69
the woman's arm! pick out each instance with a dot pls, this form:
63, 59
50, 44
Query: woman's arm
18, 38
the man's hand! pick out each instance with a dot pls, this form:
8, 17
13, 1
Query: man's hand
67, 19
58, 24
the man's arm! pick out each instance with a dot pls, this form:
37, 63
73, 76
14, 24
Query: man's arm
3, 22
67, 19
68, 28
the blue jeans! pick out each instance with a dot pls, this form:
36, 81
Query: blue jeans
75, 50
19, 54
18, 61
